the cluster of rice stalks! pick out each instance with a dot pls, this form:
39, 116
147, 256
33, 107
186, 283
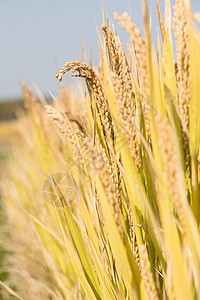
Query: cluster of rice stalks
103, 200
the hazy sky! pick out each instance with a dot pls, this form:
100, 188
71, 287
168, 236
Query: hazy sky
37, 37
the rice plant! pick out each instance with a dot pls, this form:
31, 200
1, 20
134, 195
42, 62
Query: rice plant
103, 199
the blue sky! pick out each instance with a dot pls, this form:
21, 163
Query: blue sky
38, 37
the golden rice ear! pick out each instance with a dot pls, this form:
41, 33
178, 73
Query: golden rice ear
183, 73
124, 91
160, 18
97, 93
63, 124
146, 274
141, 62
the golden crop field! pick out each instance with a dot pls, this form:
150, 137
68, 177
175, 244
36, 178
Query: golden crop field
101, 198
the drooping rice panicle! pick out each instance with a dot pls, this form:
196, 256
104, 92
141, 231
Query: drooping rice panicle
133, 239
112, 49
99, 163
124, 92
141, 61
31, 104
160, 18
146, 274
182, 74
96, 88
170, 168
29, 98
64, 125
